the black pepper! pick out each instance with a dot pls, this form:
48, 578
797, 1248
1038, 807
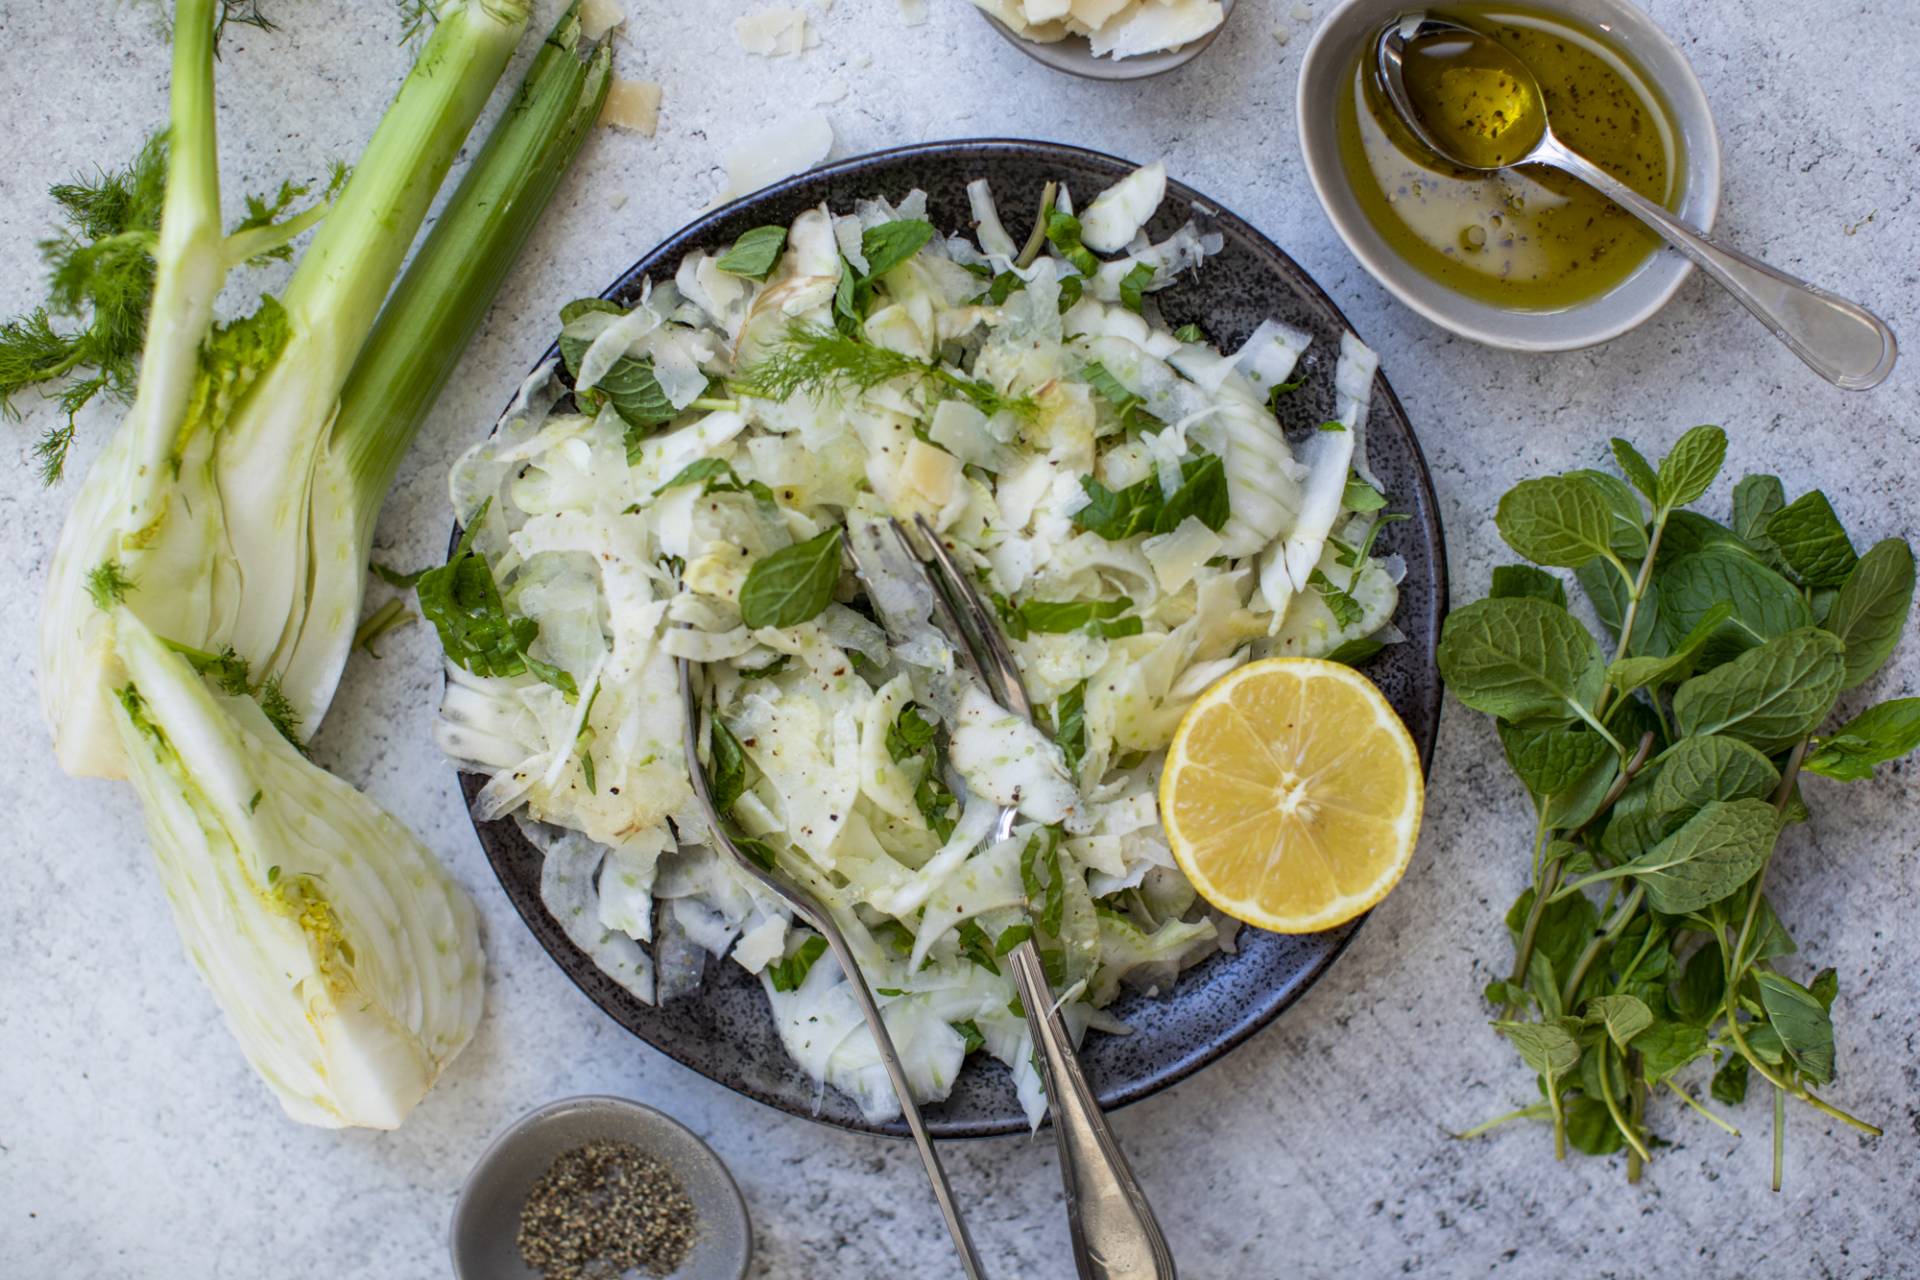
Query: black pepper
605, 1209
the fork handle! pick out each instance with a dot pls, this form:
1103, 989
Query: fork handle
1114, 1231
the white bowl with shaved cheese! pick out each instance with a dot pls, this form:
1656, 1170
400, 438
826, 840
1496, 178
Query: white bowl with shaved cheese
1109, 39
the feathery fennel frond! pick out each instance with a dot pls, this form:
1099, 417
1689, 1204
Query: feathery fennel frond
823, 362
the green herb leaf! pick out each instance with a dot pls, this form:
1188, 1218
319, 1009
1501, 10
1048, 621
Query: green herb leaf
1096, 617
699, 472
1133, 287
1548, 1047
970, 1037
1070, 725
1130, 407
1666, 1047
1345, 609
1190, 333
1520, 660
1202, 494
892, 243
1524, 582
1755, 499
1551, 758
788, 974
1698, 771
1760, 604
1063, 233
1812, 540
1635, 467
1730, 1081
629, 386
1698, 996
1709, 857
1878, 734
852, 295
1356, 653
1802, 1022
910, 734
1770, 696
462, 601
1361, 497
1870, 612
1556, 520
793, 584
1629, 674
729, 762
1688, 470
754, 254
976, 946
1010, 937
1623, 1016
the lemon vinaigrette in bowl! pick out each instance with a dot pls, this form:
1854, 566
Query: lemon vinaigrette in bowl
1520, 238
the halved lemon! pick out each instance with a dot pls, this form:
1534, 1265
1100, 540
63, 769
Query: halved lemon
1292, 794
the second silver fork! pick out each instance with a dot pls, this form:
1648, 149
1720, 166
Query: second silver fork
1114, 1231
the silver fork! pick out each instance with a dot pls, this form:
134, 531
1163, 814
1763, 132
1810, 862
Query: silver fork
1114, 1231
816, 914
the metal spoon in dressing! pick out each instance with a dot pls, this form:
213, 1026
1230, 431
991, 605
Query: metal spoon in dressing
1473, 103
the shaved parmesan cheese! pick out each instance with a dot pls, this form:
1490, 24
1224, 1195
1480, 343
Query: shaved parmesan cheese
1177, 556
772, 33
1156, 28
597, 17
1117, 214
835, 91
913, 12
792, 146
633, 105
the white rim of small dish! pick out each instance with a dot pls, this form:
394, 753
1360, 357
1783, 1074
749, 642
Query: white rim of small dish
1075, 56
1469, 317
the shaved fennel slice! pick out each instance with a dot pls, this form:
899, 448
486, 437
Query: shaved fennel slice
346, 960
1330, 456
1353, 390
1267, 358
1010, 762
986, 220
569, 889
1117, 214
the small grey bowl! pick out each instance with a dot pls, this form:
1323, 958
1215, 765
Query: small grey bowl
1075, 56
1325, 69
486, 1218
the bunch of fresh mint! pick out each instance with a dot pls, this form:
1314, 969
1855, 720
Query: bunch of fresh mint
1663, 777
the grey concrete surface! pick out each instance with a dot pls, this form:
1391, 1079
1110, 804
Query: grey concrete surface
134, 1142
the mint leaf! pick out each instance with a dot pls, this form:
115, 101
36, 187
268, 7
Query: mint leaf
1063, 233
1688, 470
910, 734
1635, 467
1556, 520
1133, 287
462, 601
1878, 734
1551, 758
1202, 494
1131, 408
1709, 857
1520, 660
1623, 1016
1361, 497
1755, 499
1801, 1020
1548, 1047
1096, 617
1629, 535
1666, 1047
1758, 604
1812, 540
1870, 612
698, 472
1345, 609
1523, 581
728, 779
1770, 696
1698, 771
1070, 725
629, 386
788, 974
755, 253
1190, 333
971, 1038
892, 243
793, 584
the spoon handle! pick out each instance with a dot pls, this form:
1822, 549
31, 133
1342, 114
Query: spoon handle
1114, 1231
1842, 341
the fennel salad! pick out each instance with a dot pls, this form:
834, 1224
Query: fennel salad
730, 449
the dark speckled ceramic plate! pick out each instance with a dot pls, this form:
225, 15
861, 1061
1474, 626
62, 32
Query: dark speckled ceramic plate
724, 1032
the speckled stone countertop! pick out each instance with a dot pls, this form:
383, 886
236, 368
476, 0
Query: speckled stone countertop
133, 1140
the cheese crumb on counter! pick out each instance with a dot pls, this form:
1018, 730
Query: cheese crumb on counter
633, 105
792, 146
773, 33
597, 17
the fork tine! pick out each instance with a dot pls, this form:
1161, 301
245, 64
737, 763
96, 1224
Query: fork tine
987, 632
965, 648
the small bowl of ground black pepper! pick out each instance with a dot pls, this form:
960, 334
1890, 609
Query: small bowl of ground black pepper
599, 1188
